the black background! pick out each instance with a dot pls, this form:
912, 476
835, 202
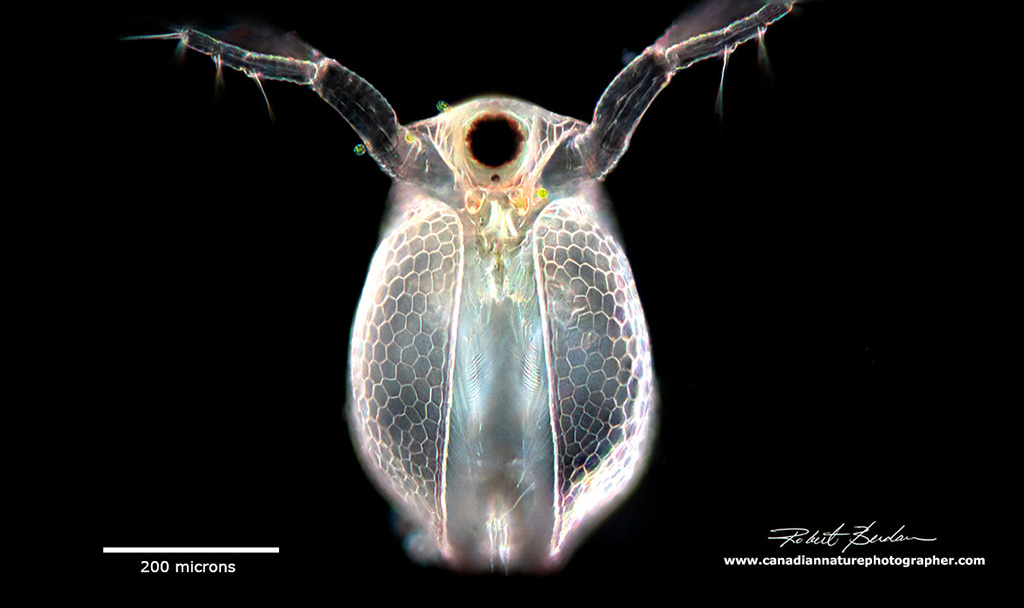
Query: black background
812, 267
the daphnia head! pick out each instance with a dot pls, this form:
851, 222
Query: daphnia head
497, 150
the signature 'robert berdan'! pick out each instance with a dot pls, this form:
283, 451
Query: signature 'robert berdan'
861, 535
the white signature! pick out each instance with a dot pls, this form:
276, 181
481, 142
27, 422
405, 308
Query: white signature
861, 535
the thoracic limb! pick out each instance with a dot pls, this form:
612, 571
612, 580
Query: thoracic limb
626, 99
361, 105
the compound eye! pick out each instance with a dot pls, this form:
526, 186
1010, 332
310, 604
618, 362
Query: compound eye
494, 140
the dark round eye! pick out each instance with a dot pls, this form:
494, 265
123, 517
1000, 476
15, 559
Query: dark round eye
494, 139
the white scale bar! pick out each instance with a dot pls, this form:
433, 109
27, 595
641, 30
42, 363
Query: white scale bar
191, 549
